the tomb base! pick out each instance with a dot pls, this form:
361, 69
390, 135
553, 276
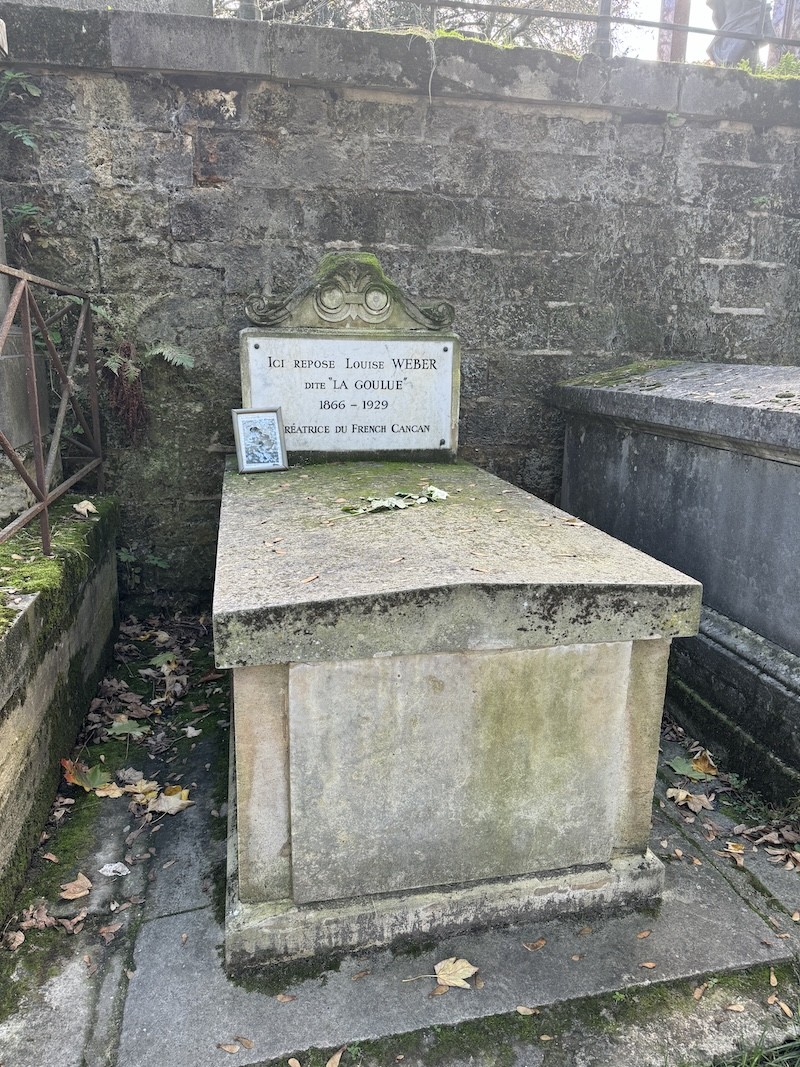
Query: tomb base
445, 717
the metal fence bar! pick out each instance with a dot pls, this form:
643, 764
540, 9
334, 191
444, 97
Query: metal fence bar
33, 413
621, 20
32, 322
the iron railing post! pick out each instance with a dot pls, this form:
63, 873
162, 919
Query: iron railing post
601, 45
33, 412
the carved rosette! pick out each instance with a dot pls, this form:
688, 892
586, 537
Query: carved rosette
349, 289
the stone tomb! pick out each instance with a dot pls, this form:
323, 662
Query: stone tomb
445, 716
722, 443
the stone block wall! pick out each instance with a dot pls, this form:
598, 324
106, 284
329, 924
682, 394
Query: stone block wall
579, 214
54, 646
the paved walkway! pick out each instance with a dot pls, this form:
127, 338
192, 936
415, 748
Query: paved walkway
609, 991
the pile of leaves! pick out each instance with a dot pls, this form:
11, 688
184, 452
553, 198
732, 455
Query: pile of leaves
399, 501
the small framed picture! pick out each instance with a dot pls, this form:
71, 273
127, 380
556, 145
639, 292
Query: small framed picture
260, 445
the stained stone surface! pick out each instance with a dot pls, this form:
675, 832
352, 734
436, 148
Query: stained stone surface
490, 567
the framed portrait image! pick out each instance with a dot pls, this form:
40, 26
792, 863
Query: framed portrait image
260, 444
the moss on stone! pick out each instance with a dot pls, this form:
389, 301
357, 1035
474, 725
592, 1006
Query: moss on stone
623, 375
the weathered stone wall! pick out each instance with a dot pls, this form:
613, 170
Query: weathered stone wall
578, 214
52, 653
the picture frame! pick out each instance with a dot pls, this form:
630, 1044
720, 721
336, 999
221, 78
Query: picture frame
260, 441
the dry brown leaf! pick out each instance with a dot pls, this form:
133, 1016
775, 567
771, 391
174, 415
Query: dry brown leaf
78, 888
704, 762
547, 1037
245, 1042
229, 1048
50, 857
773, 981
735, 1007
334, 1060
293, 1062
479, 982
584, 931
110, 790
532, 946
576, 957
678, 854
787, 1011
184, 938
359, 974
522, 1010
13, 939
699, 990
649, 965
285, 998
796, 916
109, 932
454, 972
772, 998
644, 933
311, 578
85, 508
438, 990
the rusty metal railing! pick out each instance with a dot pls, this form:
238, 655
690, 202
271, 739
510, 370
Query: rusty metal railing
24, 308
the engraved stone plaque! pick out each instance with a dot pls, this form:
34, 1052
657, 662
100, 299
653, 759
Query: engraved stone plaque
357, 391
355, 365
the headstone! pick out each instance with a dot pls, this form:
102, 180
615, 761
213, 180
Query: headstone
362, 370
698, 464
446, 713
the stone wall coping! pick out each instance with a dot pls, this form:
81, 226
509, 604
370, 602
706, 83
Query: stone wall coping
753, 405
490, 567
445, 67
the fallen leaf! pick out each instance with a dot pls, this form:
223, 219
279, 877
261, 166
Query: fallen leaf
88, 778
454, 972
438, 990
735, 1007
50, 857
230, 1048
699, 990
110, 790
85, 508
573, 522
704, 763
479, 982
773, 981
576, 958
285, 998
171, 804
109, 932
13, 939
91, 966
311, 578
359, 974
644, 933
649, 965
772, 998
547, 1037
787, 1011
293, 1062
522, 1010
686, 767
796, 916
245, 1042
584, 931
78, 888
678, 854
532, 946
334, 1060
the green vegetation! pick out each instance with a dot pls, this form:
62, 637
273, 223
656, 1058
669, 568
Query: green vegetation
787, 67
623, 375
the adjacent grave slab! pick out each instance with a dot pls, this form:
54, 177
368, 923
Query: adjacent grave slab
413, 692
722, 444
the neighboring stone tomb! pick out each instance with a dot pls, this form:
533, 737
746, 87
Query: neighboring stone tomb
447, 716
698, 464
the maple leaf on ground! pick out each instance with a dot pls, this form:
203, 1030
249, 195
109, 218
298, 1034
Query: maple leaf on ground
454, 972
171, 801
88, 778
695, 802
